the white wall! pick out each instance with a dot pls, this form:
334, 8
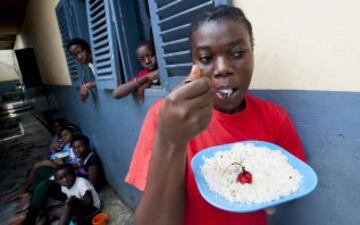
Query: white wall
8, 66
40, 31
306, 45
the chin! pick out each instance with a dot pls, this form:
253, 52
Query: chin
230, 107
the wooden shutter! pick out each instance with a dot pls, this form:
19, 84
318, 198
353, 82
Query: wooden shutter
104, 46
127, 35
171, 23
72, 21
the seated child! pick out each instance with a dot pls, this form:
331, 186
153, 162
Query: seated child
43, 169
90, 166
82, 199
148, 76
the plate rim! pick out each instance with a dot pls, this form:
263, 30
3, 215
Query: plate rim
254, 207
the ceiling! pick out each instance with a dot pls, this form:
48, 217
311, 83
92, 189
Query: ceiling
11, 17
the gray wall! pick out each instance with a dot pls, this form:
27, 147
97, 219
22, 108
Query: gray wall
328, 123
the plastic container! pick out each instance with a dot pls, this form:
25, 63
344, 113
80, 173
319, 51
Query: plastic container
100, 219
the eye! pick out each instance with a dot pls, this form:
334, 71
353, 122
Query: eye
205, 59
238, 53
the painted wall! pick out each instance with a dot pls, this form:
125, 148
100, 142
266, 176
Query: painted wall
40, 31
305, 45
327, 122
8, 66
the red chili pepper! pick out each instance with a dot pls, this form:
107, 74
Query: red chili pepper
244, 177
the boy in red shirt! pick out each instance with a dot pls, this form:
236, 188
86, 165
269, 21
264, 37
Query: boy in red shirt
147, 76
212, 109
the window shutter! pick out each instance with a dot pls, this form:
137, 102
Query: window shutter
71, 16
104, 46
171, 23
127, 35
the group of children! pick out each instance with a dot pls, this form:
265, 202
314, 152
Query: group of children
72, 175
147, 77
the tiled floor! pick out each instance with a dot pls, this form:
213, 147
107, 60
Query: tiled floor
18, 154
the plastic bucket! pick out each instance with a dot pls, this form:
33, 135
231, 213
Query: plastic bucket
100, 219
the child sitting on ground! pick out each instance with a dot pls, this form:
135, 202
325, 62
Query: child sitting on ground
82, 199
148, 76
90, 166
43, 169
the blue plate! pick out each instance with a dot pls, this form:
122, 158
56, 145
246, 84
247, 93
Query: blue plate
307, 184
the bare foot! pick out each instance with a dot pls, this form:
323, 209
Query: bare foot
17, 219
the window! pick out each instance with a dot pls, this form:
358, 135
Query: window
171, 24
104, 47
72, 21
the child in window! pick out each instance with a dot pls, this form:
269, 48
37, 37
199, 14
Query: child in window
82, 199
148, 76
213, 109
81, 51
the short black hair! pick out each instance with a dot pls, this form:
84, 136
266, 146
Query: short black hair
77, 41
61, 121
223, 13
84, 139
68, 128
146, 43
65, 166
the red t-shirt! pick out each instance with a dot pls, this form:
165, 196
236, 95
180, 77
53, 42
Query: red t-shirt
141, 73
260, 120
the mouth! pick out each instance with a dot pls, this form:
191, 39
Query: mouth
151, 67
226, 93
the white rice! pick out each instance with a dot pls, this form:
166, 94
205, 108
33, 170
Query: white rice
272, 176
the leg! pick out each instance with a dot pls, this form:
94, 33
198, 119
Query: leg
65, 215
42, 192
40, 174
34, 169
51, 214
83, 215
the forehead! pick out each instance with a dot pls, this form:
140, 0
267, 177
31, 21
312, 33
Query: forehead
78, 142
63, 132
219, 33
145, 49
62, 172
76, 48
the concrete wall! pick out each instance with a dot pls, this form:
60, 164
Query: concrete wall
313, 46
8, 66
305, 45
40, 31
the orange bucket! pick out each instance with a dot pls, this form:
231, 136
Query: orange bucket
100, 219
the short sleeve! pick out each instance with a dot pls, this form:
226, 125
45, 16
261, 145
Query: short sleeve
138, 171
65, 191
94, 160
287, 137
84, 186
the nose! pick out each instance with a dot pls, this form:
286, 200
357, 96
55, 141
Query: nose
79, 58
147, 60
222, 67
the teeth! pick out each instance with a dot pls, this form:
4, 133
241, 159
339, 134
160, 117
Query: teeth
225, 92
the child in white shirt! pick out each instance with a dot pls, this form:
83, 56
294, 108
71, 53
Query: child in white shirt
82, 198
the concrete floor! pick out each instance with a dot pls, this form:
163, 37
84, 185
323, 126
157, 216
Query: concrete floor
18, 154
